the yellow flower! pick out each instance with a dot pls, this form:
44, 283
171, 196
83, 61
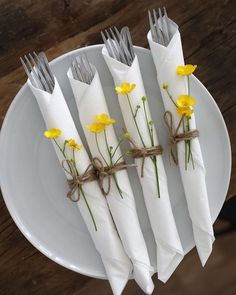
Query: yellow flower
184, 101
73, 144
187, 111
125, 88
104, 119
52, 133
96, 127
185, 70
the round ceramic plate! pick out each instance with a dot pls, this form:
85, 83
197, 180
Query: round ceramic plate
34, 186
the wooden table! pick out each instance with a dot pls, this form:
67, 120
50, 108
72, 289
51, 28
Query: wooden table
56, 26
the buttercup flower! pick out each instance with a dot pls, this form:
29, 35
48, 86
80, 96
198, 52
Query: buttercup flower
96, 127
104, 119
52, 133
125, 88
185, 101
73, 144
185, 70
187, 111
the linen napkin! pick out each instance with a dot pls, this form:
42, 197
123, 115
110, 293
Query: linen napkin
169, 248
117, 265
90, 102
166, 60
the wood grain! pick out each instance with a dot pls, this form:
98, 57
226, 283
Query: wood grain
55, 26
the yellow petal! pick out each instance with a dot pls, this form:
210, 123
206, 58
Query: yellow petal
125, 88
187, 111
52, 133
73, 144
96, 127
119, 90
185, 101
79, 146
132, 87
185, 70
104, 119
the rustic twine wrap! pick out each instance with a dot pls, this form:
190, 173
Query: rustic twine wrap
95, 171
174, 137
144, 152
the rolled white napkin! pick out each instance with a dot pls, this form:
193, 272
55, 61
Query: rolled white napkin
169, 248
90, 102
117, 264
166, 60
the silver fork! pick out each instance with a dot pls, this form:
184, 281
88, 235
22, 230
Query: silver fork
160, 30
38, 71
119, 44
125, 33
82, 69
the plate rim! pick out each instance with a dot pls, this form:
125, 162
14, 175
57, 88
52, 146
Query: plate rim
5, 193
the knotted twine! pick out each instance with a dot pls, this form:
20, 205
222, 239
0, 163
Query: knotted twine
175, 137
95, 171
144, 152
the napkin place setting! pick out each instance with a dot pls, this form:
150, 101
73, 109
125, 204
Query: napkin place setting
98, 181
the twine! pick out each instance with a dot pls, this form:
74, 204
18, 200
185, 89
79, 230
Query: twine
144, 152
95, 171
174, 137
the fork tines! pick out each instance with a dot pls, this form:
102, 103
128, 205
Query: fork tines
38, 71
119, 44
160, 28
82, 69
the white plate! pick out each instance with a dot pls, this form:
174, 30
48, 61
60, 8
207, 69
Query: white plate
34, 186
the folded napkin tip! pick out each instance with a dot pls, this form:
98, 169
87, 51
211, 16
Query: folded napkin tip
150, 289
204, 258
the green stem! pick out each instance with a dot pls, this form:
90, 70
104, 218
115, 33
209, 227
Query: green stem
157, 176
136, 112
189, 142
111, 163
119, 143
64, 146
151, 128
135, 122
89, 209
185, 146
107, 146
154, 159
190, 155
188, 85
63, 152
74, 163
171, 98
122, 155
73, 153
190, 151
148, 126
71, 170
192, 159
117, 185
96, 139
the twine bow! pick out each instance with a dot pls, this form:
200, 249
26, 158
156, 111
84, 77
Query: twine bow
95, 171
175, 137
145, 152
